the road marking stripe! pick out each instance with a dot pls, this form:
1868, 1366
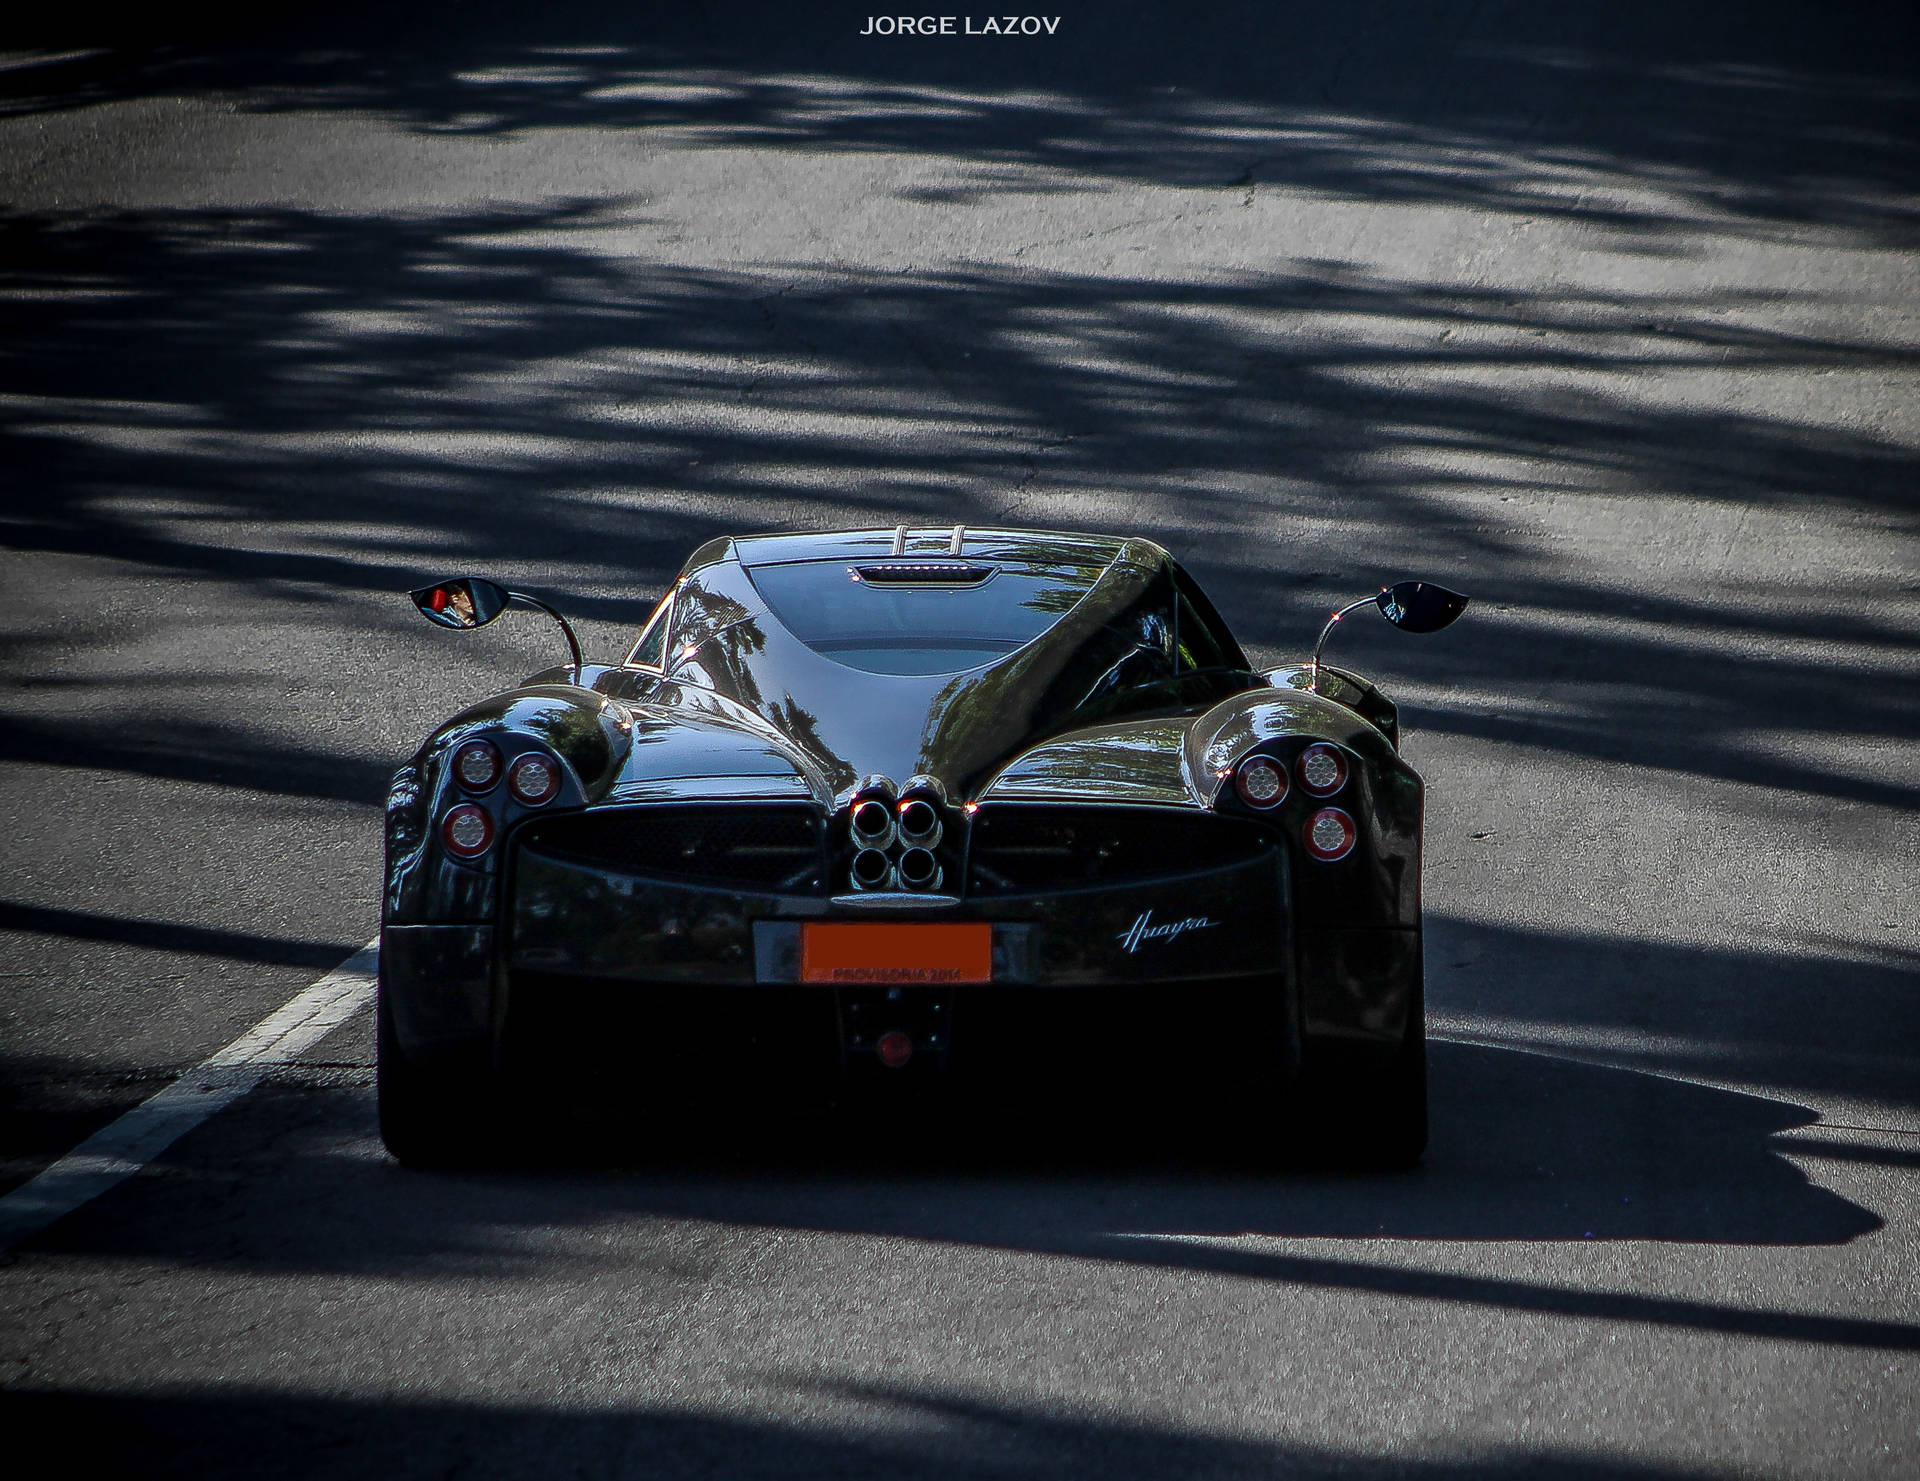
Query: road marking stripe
121, 1149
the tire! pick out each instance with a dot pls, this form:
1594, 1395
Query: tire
429, 1118
1395, 1137
1374, 1121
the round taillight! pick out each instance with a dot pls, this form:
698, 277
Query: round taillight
534, 779
1330, 834
1260, 781
476, 765
1323, 770
467, 830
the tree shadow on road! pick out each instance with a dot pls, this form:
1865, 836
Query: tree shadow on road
892, 1430
491, 388
1527, 1147
1641, 118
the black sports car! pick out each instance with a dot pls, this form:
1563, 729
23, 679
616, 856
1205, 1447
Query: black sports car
915, 806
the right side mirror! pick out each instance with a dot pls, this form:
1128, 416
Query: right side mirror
1419, 606
466, 601
1411, 606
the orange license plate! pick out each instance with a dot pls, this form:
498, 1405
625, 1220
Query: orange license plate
874, 951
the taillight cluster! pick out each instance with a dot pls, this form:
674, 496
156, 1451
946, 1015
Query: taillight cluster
1262, 782
533, 778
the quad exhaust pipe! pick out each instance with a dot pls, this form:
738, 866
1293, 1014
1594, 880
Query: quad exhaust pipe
884, 823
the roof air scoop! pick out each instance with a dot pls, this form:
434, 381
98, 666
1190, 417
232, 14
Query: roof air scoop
947, 573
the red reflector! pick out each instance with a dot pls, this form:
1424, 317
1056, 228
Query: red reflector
894, 1048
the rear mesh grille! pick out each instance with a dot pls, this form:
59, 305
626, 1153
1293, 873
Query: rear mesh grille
752, 847
1020, 849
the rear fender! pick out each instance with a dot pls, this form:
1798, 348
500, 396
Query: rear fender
1378, 883
1230, 729
1345, 687
589, 734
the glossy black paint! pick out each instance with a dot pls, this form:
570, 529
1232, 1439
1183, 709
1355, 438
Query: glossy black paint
1108, 704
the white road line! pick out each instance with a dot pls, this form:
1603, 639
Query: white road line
123, 1148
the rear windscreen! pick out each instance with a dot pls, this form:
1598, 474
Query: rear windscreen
918, 627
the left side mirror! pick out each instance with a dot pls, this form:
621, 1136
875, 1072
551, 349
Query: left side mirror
466, 601
1420, 606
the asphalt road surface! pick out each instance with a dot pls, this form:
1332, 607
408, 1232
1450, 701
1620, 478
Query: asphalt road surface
1603, 312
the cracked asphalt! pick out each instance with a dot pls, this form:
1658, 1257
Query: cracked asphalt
1604, 313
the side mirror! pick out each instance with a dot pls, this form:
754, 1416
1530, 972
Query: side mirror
1411, 606
466, 601
1419, 606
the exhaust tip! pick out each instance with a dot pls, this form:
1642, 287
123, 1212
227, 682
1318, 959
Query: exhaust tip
919, 870
872, 824
871, 870
919, 823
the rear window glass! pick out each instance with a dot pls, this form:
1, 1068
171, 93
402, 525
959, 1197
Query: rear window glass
918, 628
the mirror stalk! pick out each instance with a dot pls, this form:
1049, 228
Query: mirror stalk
1313, 682
573, 641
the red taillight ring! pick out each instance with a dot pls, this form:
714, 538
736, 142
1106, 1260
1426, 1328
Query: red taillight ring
467, 830
534, 778
1330, 834
1261, 782
476, 765
1322, 768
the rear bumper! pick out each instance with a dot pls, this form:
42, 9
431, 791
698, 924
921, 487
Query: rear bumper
440, 985
638, 1039
578, 920
1205, 965
716, 975
1356, 989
